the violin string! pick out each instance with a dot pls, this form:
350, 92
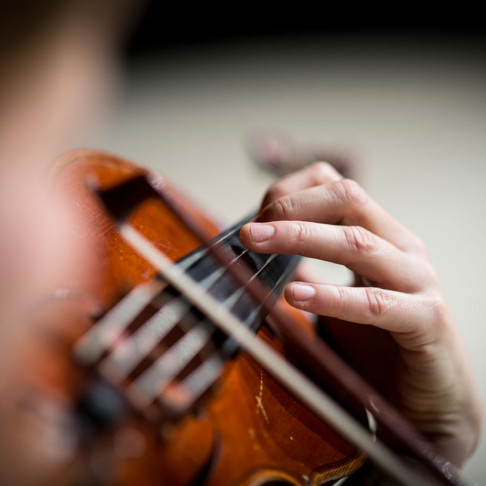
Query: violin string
157, 376
311, 353
296, 382
108, 330
194, 385
202, 252
90, 347
131, 351
203, 377
318, 355
145, 389
198, 382
128, 353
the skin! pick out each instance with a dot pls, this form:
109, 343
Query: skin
393, 323
50, 86
58, 70
54, 83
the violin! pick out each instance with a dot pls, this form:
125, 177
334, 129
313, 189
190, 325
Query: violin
169, 358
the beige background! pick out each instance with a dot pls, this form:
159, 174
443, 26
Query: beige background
412, 113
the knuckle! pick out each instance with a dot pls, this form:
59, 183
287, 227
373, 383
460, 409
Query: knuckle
300, 232
337, 299
379, 301
439, 312
436, 320
430, 275
274, 192
359, 240
283, 208
350, 193
279, 209
322, 172
427, 280
419, 246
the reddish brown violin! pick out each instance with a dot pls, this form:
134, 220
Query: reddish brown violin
247, 430
132, 380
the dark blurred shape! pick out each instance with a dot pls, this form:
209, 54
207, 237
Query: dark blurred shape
280, 155
20, 20
167, 27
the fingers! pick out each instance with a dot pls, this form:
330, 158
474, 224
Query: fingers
314, 175
357, 248
396, 312
321, 195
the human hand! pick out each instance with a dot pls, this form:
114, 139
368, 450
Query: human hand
395, 320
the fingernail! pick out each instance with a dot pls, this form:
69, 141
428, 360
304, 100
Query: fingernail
261, 232
303, 292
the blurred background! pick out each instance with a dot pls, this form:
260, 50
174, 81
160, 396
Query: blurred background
403, 99
400, 95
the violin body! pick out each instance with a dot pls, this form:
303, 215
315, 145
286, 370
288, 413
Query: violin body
248, 431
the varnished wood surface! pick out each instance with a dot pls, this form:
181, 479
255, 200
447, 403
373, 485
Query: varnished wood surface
249, 432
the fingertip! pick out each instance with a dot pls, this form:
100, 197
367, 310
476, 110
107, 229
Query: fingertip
245, 234
300, 293
257, 232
